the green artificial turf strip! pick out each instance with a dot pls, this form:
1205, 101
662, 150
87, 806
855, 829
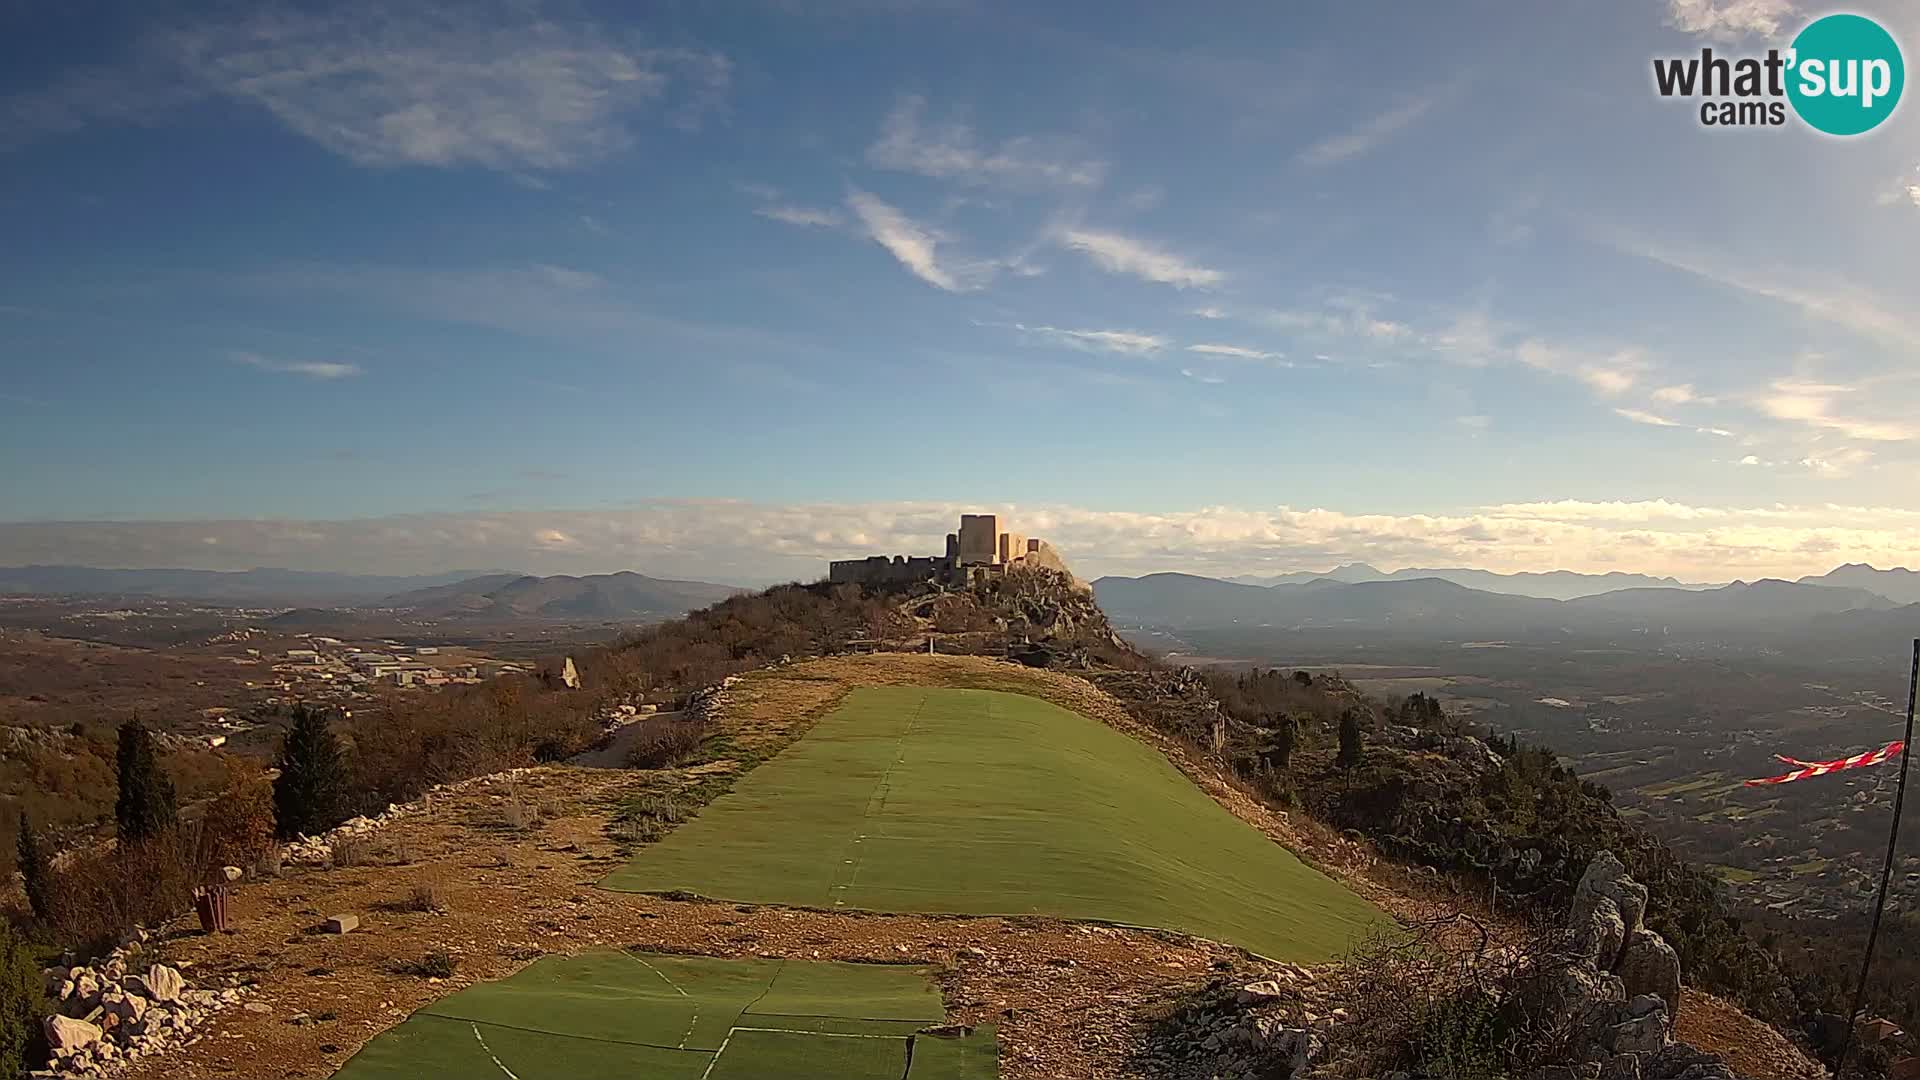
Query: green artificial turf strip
973, 1057
763, 1055
625, 1014
435, 1047
864, 991
983, 803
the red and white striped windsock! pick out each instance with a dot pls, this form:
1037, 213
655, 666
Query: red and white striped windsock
1805, 769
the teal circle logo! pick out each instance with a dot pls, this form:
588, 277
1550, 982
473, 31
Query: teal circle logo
1845, 74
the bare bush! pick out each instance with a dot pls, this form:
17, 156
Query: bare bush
352, 850
95, 896
662, 744
426, 898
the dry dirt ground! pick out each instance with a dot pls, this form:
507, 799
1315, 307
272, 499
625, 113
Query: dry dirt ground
1069, 999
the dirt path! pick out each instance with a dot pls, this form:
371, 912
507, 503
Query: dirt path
614, 754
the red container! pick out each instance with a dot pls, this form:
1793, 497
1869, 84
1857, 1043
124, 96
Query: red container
212, 905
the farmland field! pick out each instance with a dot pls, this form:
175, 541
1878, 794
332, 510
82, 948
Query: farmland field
976, 802
669, 1017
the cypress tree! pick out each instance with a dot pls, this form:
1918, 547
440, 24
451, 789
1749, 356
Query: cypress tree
310, 794
146, 804
1351, 743
34, 868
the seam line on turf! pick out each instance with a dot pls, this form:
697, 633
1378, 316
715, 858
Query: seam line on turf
880, 792
496, 1060
561, 1034
691, 1024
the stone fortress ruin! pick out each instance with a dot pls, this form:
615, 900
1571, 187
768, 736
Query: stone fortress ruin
978, 550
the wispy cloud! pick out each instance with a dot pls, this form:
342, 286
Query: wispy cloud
1814, 404
1730, 19
953, 151
1610, 374
911, 243
1845, 304
804, 216
1368, 136
1119, 254
494, 84
1201, 377
1128, 342
1640, 416
1675, 395
312, 369
1237, 352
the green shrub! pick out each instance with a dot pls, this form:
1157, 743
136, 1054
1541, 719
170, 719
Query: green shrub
22, 1004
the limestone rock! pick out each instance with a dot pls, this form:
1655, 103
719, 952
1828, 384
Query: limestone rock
1651, 966
1259, 993
1599, 932
65, 1034
1639, 1035
161, 983
1607, 876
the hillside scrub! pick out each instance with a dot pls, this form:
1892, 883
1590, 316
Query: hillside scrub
1525, 827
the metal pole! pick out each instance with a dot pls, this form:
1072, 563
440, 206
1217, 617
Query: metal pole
1886, 871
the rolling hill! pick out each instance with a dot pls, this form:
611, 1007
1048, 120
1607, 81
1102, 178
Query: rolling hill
1552, 585
264, 586
1445, 608
625, 595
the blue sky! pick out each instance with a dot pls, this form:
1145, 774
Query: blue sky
728, 288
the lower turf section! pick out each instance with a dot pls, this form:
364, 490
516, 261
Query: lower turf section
653, 1017
981, 803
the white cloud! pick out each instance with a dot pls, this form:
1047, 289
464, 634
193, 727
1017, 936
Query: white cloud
496, 85
803, 216
1609, 375
1237, 352
1813, 404
1674, 395
741, 542
1210, 380
1750, 459
1639, 416
1208, 312
312, 369
1844, 304
1730, 19
1128, 342
1367, 136
914, 245
1119, 254
952, 151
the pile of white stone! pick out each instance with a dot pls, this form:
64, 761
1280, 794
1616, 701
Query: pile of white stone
1276, 1027
319, 849
109, 1018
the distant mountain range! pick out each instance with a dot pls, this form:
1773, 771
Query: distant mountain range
1553, 585
262, 586
479, 594
1437, 606
625, 595
1900, 585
